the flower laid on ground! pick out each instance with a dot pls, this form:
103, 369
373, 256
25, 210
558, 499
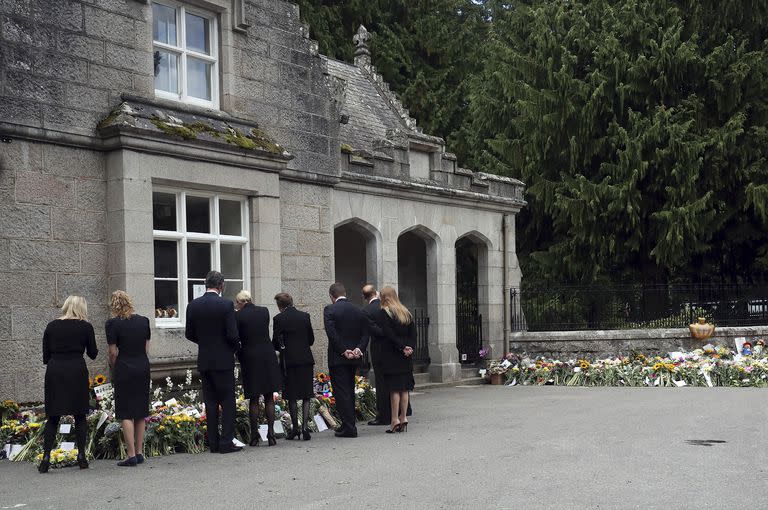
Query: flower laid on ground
60, 458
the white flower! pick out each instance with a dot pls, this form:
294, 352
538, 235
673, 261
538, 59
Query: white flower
577, 369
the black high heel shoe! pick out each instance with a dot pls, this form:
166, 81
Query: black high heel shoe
271, 441
306, 434
403, 427
394, 429
293, 434
82, 462
44, 465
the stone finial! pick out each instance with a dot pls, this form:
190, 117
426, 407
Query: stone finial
362, 53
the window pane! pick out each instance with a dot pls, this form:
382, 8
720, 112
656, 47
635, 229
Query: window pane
198, 215
198, 79
231, 288
166, 299
198, 259
198, 34
164, 24
229, 218
166, 72
163, 211
191, 284
166, 259
232, 261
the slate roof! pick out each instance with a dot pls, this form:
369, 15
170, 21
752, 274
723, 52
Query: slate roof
370, 114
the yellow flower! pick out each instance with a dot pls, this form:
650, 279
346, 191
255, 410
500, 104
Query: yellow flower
99, 379
658, 366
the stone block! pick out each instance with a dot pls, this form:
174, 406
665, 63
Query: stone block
128, 58
107, 77
109, 26
5, 253
36, 188
28, 33
129, 226
45, 256
50, 64
93, 258
314, 243
71, 162
130, 8
79, 225
67, 15
296, 120
266, 263
300, 217
320, 125
248, 89
289, 241
25, 222
20, 8
81, 46
313, 268
29, 322
24, 85
87, 98
267, 237
20, 156
91, 195
36, 289
71, 120
309, 142
92, 287
132, 258
290, 267
20, 111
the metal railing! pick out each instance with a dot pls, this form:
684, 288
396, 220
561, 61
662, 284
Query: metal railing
421, 352
469, 331
639, 306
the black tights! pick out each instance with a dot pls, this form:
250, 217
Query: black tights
293, 409
269, 410
52, 427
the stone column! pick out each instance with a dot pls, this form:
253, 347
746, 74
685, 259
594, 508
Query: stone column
444, 357
266, 263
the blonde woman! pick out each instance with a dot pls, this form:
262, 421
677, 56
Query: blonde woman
128, 338
66, 376
399, 338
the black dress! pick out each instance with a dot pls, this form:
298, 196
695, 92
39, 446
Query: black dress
130, 375
397, 368
293, 337
66, 377
261, 372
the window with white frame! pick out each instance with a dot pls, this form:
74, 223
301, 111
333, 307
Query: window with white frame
185, 46
194, 233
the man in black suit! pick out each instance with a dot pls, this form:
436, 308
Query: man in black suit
383, 408
211, 325
346, 326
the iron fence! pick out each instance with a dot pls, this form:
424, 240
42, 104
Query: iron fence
421, 352
569, 308
469, 331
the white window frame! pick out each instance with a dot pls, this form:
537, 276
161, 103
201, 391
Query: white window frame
181, 51
215, 238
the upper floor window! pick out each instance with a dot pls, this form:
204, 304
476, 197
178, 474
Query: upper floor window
185, 45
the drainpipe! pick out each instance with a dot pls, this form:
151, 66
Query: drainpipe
504, 243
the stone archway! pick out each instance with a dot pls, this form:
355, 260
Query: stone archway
472, 298
357, 257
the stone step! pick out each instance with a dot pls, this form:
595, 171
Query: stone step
468, 372
463, 382
421, 379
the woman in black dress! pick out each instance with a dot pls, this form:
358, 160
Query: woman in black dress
128, 338
293, 337
66, 376
261, 373
396, 322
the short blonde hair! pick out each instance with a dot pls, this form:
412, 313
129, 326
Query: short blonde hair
121, 305
244, 297
75, 307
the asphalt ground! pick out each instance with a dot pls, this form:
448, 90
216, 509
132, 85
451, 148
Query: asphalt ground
466, 447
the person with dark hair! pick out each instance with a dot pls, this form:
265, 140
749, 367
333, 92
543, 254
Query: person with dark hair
346, 326
261, 373
65, 341
293, 337
128, 337
211, 324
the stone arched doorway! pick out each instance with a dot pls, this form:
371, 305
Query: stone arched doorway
471, 296
417, 286
356, 256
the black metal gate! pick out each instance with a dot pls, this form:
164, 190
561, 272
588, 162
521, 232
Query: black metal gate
421, 352
469, 331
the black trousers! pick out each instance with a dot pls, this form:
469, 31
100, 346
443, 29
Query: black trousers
383, 405
343, 381
219, 390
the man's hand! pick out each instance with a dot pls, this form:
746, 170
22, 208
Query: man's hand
357, 352
349, 354
408, 351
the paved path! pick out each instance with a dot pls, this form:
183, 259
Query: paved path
470, 447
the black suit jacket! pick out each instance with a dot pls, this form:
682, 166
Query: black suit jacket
293, 336
253, 326
211, 325
346, 326
371, 310
396, 337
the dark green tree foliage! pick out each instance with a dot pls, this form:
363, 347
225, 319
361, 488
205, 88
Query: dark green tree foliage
641, 130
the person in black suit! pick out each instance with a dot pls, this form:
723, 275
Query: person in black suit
212, 326
396, 322
66, 375
293, 337
382, 392
128, 337
347, 329
261, 373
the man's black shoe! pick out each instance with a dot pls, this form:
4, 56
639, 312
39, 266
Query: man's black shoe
345, 434
230, 449
376, 422
214, 449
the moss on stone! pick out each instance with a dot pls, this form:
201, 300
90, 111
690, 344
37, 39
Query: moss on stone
109, 119
256, 140
346, 148
264, 142
182, 131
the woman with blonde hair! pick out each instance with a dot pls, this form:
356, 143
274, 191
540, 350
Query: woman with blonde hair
261, 372
66, 375
396, 322
128, 337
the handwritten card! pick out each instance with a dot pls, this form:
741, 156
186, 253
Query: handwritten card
263, 432
320, 422
506, 363
12, 450
157, 404
279, 428
65, 428
103, 390
171, 402
197, 291
102, 419
67, 446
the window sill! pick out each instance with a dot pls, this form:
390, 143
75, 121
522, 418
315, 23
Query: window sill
169, 325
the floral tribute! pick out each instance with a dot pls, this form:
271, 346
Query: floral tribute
709, 366
176, 423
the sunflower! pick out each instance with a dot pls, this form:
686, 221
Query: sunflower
99, 379
658, 367
584, 364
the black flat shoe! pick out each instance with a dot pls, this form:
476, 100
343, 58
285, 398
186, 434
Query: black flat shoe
345, 434
44, 465
271, 441
306, 434
293, 434
129, 462
82, 462
230, 449
139, 458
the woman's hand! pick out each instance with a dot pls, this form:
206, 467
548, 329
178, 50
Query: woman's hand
407, 351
